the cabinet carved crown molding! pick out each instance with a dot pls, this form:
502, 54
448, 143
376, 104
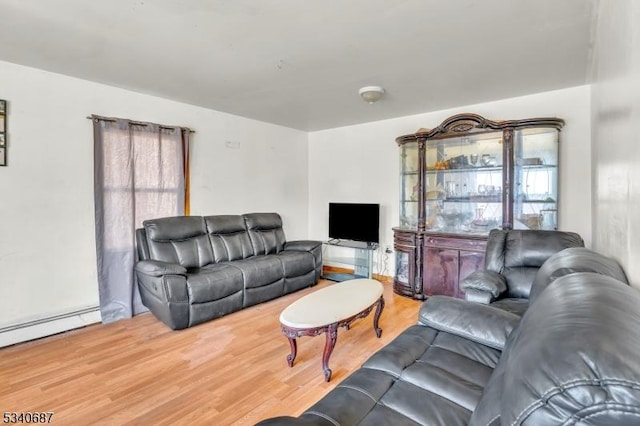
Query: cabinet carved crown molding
466, 122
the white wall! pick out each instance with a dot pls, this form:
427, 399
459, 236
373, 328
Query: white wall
616, 140
47, 247
360, 163
47, 237
241, 166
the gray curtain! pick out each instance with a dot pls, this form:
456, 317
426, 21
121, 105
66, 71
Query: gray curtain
139, 171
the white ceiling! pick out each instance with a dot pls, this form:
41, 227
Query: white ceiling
300, 63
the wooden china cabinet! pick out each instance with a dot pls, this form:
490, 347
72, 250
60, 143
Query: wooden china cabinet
460, 180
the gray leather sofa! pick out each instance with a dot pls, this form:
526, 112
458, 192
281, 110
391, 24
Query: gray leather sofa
571, 359
193, 269
512, 260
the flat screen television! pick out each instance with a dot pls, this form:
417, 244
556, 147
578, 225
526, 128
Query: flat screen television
354, 221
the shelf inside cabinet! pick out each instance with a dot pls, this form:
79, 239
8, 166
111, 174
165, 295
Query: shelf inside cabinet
465, 170
474, 199
431, 171
537, 166
488, 200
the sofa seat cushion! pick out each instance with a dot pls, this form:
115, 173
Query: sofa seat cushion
213, 282
259, 271
296, 263
511, 304
424, 376
377, 398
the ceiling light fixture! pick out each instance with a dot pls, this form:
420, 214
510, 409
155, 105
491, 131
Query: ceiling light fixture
371, 94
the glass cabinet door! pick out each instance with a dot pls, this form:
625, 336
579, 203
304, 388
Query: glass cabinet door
535, 203
402, 268
409, 185
463, 191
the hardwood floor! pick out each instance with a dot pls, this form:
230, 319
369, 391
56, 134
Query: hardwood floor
231, 370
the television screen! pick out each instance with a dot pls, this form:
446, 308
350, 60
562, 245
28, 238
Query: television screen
357, 222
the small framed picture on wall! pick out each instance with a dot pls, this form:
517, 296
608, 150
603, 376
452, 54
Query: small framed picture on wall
3, 134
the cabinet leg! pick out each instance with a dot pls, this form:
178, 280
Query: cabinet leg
376, 318
330, 343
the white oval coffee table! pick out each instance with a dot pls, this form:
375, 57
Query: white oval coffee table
323, 311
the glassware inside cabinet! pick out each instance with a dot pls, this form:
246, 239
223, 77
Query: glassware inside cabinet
409, 185
536, 178
463, 191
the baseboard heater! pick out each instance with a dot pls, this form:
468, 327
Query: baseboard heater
41, 327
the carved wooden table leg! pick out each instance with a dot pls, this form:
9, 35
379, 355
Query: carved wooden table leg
294, 350
379, 308
330, 343
294, 322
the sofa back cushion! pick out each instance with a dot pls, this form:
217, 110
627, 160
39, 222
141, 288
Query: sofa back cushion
182, 240
518, 254
575, 357
229, 237
572, 260
265, 231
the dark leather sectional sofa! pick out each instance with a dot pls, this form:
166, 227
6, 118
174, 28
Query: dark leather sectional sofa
571, 359
193, 269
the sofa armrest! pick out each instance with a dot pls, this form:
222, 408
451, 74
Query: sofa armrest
163, 289
484, 286
165, 281
478, 296
156, 268
302, 245
308, 246
480, 323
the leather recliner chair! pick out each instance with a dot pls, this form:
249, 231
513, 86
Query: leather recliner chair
512, 259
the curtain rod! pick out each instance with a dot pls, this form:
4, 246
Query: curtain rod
137, 123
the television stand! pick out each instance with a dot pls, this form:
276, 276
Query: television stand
349, 255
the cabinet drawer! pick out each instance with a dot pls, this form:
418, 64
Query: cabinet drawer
455, 243
404, 239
